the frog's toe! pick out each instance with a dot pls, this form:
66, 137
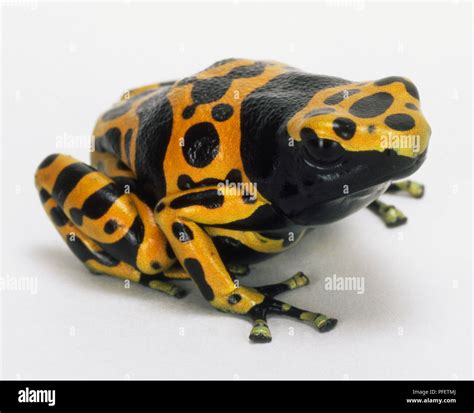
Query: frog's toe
393, 217
416, 190
260, 332
327, 325
296, 281
165, 287
238, 270
412, 188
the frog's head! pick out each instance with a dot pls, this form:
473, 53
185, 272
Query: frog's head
346, 145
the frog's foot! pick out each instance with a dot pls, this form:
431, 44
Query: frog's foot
392, 216
412, 188
238, 270
260, 332
158, 282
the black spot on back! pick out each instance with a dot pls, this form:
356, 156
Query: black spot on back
210, 198
340, 96
371, 106
222, 112
410, 87
188, 111
186, 182
400, 121
201, 144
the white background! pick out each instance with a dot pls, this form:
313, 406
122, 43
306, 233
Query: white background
63, 64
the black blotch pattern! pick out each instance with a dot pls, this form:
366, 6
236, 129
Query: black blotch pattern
212, 89
85, 254
410, 87
155, 265
340, 96
201, 144
111, 226
264, 218
371, 128
211, 199
194, 268
128, 140
48, 160
110, 142
186, 182
411, 106
371, 106
97, 204
182, 232
67, 180
77, 215
169, 251
400, 121
188, 111
153, 136
234, 299
126, 248
58, 217
234, 176
320, 111
222, 112
44, 195
160, 207
345, 128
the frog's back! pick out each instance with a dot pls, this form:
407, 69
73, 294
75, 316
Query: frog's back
176, 136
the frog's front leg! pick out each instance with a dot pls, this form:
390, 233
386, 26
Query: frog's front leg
182, 218
390, 214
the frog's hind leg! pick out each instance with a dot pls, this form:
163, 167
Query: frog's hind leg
110, 231
391, 215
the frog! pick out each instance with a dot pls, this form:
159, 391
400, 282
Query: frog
200, 178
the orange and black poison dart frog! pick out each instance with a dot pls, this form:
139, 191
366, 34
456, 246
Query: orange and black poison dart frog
197, 178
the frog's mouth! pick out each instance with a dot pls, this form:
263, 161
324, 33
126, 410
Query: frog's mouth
366, 175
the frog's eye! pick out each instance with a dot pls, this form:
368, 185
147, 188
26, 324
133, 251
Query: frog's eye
319, 152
